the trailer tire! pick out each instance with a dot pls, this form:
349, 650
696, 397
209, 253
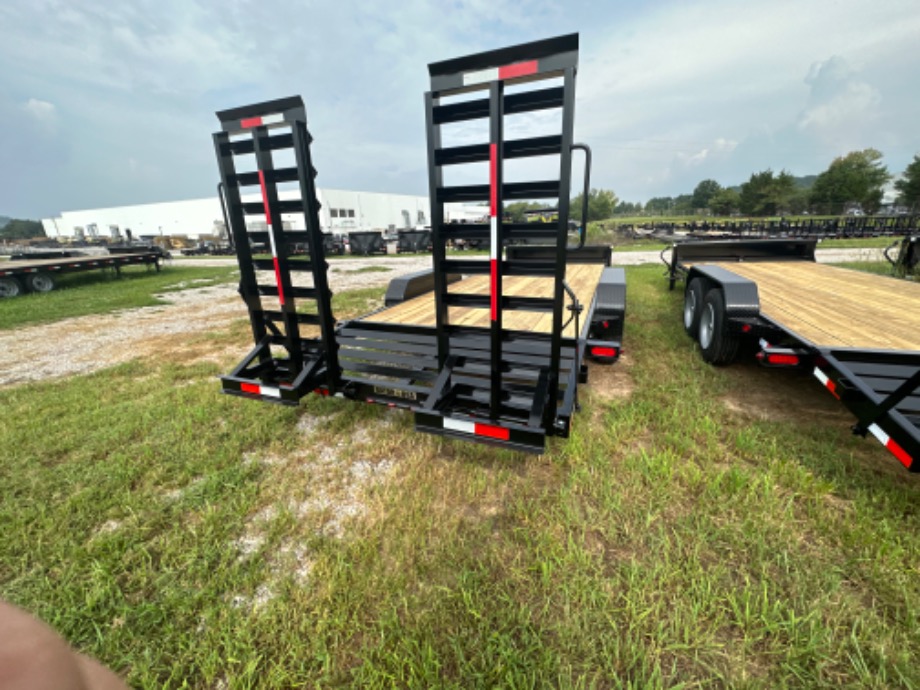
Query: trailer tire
40, 282
10, 287
717, 345
693, 305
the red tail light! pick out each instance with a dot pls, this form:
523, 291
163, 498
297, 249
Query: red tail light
598, 351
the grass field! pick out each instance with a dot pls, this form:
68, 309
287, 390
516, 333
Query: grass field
79, 294
702, 528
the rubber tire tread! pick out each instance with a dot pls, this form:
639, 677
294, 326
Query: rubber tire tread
33, 277
724, 346
14, 284
697, 286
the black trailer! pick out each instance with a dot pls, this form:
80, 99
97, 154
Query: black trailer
857, 332
39, 275
489, 349
366, 242
413, 241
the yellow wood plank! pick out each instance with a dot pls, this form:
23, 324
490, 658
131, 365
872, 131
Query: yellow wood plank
836, 307
583, 279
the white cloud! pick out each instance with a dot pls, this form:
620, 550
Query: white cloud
668, 91
42, 111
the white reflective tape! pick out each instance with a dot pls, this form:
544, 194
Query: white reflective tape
821, 376
493, 223
459, 425
272, 119
480, 77
882, 437
270, 392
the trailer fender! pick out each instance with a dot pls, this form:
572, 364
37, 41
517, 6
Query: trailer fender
609, 305
412, 285
742, 300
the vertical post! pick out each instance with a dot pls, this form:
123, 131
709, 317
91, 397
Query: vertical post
278, 244
318, 264
565, 176
496, 121
237, 229
439, 250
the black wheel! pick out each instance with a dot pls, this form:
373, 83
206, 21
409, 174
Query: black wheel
40, 282
693, 305
716, 343
10, 287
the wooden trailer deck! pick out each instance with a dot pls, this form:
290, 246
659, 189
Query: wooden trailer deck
831, 306
583, 279
25, 265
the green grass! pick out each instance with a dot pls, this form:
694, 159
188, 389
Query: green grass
859, 242
701, 528
101, 292
882, 268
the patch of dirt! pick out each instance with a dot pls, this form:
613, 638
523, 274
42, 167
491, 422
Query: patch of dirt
607, 383
324, 487
86, 344
611, 381
773, 395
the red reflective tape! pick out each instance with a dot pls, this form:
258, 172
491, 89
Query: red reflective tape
491, 431
520, 69
250, 122
250, 388
268, 215
604, 351
832, 387
899, 453
493, 180
494, 280
278, 281
786, 360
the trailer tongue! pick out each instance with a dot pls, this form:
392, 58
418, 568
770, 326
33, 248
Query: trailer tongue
485, 350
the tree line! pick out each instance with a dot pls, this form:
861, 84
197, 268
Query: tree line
852, 181
19, 229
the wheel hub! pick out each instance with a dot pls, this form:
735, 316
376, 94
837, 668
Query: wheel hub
707, 322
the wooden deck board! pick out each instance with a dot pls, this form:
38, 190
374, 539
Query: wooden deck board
836, 307
583, 279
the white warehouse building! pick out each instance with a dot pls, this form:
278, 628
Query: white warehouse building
342, 211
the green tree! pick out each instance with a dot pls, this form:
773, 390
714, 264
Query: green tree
517, 209
18, 229
724, 202
800, 200
766, 194
704, 191
659, 204
683, 204
601, 203
856, 178
626, 208
909, 185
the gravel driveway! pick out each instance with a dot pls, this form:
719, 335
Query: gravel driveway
88, 343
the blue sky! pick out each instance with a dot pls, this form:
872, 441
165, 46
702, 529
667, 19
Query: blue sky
113, 103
